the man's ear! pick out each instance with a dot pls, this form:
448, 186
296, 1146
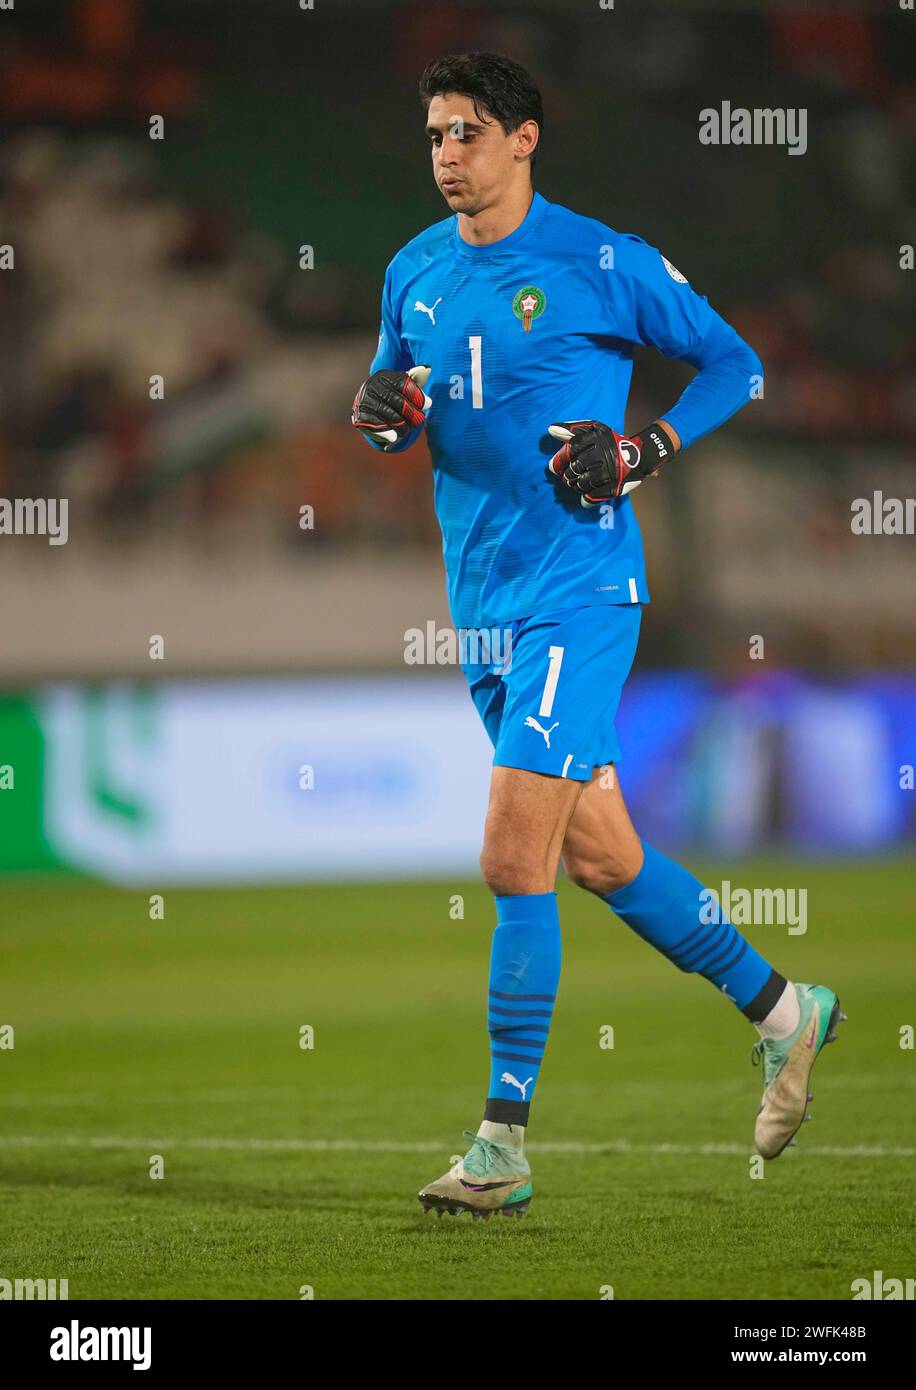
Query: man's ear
527, 137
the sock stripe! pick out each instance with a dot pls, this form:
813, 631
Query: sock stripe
694, 943
522, 1013
757, 1008
522, 989
726, 962
708, 963
663, 906
541, 998
702, 959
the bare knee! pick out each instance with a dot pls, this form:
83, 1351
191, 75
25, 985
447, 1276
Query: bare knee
510, 869
601, 869
527, 818
517, 859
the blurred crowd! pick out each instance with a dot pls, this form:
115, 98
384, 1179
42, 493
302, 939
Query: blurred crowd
164, 359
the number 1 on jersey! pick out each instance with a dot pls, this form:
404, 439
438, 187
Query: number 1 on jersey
476, 374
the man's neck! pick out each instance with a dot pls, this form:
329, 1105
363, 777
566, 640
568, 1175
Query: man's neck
496, 222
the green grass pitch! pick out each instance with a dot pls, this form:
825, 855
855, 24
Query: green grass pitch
287, 1167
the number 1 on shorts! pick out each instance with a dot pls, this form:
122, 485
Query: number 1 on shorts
550, 685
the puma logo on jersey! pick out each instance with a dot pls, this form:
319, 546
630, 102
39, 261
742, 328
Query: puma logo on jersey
531, 723
509, 1080
432, 312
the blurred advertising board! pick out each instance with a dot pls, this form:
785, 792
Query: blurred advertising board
333, 778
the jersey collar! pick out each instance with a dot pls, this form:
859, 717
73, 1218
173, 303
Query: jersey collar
524, 229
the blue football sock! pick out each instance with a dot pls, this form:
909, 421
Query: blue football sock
524, 974
664, 906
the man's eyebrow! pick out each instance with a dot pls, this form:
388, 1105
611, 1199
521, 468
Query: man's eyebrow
455, 120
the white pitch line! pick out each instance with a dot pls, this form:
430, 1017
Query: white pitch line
230, 1095
611, 1146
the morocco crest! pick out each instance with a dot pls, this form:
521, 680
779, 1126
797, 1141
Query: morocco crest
529, 304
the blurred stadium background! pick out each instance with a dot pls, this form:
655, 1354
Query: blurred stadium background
284, 649
180, 256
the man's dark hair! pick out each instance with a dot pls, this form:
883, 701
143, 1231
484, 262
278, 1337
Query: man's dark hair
503, 88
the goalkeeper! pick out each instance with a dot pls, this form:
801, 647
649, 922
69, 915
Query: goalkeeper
508, 332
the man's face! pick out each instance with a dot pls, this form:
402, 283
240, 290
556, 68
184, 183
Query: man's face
473, 157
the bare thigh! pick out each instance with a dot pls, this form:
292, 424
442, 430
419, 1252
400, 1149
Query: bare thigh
527, 819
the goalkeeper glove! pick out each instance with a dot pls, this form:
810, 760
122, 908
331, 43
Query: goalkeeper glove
390, 404
602, 464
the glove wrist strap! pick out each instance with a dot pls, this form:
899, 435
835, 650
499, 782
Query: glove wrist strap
655, 448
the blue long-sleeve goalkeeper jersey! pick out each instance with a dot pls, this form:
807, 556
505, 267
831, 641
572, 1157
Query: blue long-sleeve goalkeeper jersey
532, 330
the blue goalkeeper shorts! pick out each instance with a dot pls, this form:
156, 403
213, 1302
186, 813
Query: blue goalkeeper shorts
549, 706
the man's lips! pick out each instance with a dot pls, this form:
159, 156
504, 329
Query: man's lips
449, 183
